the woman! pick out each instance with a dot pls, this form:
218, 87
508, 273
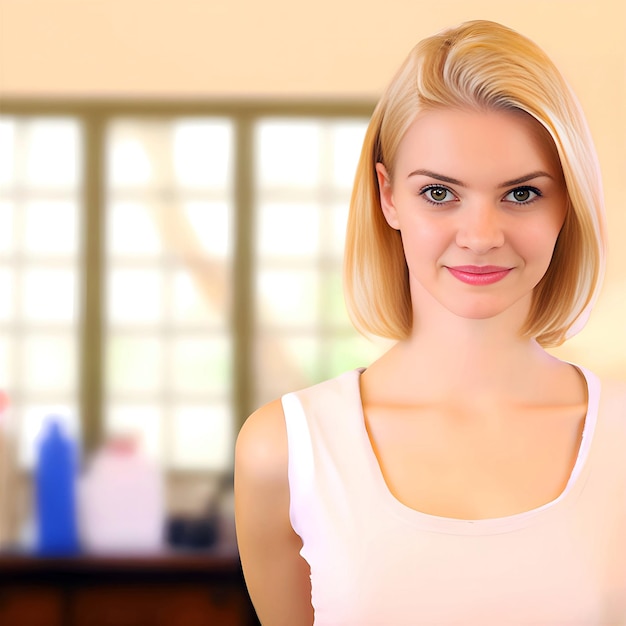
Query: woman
467, 476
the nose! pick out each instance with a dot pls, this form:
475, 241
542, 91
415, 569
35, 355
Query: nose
480, 228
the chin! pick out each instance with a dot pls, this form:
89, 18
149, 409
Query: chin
486, 310
476, 315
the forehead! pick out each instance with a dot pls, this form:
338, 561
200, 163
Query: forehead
477, 145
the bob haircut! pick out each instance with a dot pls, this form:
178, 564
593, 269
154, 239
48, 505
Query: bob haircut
485, 66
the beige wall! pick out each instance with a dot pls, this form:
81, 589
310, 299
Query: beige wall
323, 49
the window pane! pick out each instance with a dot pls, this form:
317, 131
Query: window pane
201, 365
285, 363
202, 151
51, 227
203, 438
195, 303
134, 364
7, 151
7, 303
211, 224
49, 363
287, 298
7, 236
337, 234
53, 153
131, 162
135, 296
347, 142
288, 153
288, 229
6, 360
49, 295
335, 312
133, 229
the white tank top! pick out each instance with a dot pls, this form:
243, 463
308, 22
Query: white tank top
375, 561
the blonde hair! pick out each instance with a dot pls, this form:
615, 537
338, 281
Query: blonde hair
482, 65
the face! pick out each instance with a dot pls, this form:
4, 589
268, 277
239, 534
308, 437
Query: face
479, 200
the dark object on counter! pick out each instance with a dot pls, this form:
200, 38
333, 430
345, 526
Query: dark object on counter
192, 533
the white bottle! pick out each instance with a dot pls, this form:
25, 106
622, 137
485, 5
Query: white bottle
121, 502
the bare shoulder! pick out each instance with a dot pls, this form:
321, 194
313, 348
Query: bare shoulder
261, 449
278, 578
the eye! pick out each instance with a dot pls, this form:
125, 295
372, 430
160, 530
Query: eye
522, 195
436, 194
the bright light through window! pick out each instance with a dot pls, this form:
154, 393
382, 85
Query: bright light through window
169, 288
40, 268
305, 169
170, 220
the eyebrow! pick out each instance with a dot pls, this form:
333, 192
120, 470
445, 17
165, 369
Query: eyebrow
454, 181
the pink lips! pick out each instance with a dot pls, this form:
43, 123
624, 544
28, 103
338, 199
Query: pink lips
479, 274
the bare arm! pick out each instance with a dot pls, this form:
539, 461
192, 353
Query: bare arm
276, 575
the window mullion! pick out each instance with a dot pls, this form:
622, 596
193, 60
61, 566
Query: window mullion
92, 305
242, 314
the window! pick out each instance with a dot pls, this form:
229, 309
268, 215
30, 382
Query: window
304, 171
167, 269
169, 208
40, 218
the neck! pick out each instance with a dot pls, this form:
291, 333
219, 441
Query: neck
474, 360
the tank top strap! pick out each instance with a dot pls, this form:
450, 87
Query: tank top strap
327, 458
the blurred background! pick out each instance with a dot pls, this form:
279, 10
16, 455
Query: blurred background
174, 182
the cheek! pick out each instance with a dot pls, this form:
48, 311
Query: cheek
428, 227
425, 244
540, 241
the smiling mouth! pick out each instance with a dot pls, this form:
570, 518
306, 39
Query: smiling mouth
479, 274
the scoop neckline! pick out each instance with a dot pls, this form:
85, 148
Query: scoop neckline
493, 525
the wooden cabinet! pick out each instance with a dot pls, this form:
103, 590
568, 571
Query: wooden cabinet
161, 590
30, 606
158, 606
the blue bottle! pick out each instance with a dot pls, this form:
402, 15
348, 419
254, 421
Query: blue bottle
55, 490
